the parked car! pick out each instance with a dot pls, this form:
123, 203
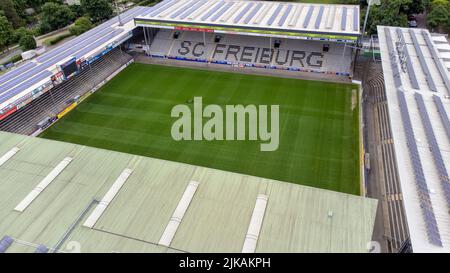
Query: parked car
411, 17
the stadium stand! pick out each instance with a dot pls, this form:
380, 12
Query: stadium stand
250, 50
396, 232
52, 102
40, 69
277, 35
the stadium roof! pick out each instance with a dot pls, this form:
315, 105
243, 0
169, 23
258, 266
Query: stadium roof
416, 74
48, 189
18, 84
257, 17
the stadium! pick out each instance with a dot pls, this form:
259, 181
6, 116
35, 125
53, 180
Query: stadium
88, 163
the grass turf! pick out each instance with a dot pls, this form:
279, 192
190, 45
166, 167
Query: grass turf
319, 135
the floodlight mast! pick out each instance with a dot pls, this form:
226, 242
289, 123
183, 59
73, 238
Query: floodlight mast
369, 3
118, 13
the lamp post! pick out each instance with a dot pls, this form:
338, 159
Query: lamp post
118, 13
369, 3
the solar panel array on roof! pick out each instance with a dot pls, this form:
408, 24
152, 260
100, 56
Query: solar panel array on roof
252, 13
421, 184
274, 15
296, 17
159, 8
355, 19
41, 249
436, 152
243, 12
89, 35
308, 16
261, 14
344, 18
422, 61
442, 114
192, 9
331, 16
393, 59
29, 78
98, 43
26, 84
435, 57
211, 11
181, 9
409, 66
319, 17
222, 11
285, 15
14, 73
24, 77
5, 243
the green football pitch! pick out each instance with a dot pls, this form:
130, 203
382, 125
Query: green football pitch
319, 136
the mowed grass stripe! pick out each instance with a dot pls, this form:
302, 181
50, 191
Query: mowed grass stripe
319, 143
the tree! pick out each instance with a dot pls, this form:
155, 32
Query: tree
418, 6
77, 10
27, 42
389, 13
55, 16
10, 12
19, 33
6, 32
97, 10
439, 16
20, 6
81, 25
37, 4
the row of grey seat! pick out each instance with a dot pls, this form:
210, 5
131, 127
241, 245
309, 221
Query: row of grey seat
397, 232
